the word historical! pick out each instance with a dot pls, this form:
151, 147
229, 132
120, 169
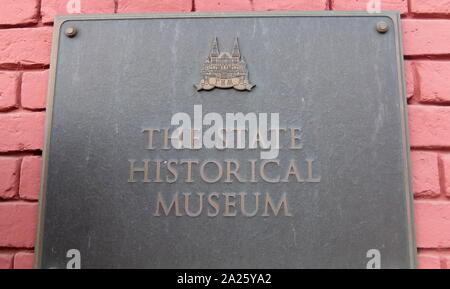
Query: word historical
238, 171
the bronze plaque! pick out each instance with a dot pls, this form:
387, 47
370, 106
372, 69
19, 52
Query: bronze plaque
226, 140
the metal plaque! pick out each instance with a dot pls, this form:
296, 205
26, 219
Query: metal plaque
226, 140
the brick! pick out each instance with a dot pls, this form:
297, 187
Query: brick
18, 224
14, 12
286, 5
428, 261
9, 84
23, 260
429, 126
410, 78
28, 47
425, 174
430, 6
446, 263
148, 6
21, 131
6, 260
444, 161
426, 37
50, 8
434, 79
432, 224
223, 5
34, 89
368, 5
9, 177
30, 177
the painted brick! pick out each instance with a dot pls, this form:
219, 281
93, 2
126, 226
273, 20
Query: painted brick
50, 8
19, 12
30, 47
369, 5
223, 5
286, 5
434, 81
444, 161
432, 224
23, 260
426, 37
9, 83
18, 224
147, 6
410, 78
30, 175
429, 126
21, 131
425, 174
25, 47
9, 177
6, 260
428, 261
34, 89
430, 6
446, 262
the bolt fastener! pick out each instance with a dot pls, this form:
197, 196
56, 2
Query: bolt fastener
382, 27
70, 32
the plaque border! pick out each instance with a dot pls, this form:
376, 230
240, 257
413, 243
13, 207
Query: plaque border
393, 15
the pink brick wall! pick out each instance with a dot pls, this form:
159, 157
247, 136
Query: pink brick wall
25, 40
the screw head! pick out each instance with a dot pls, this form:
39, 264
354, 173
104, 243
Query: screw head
70, 32
382, 27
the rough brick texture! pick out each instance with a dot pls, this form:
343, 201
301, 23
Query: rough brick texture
427, 261
434, 77
21, 131
9, 177
34, 89
9, 84
370, 5
6, 260
429, 126
432, 224
19, 12
30, 174
25, 47
285, 5
426, 36
430, 6
18, 224
23, 260
223, 5
147, 6
425, 174
444, 162
410, 78
50, 8
446, 263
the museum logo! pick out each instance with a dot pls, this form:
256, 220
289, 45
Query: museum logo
224, 69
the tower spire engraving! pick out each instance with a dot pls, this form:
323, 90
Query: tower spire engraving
214, 48
236, 50
224, 69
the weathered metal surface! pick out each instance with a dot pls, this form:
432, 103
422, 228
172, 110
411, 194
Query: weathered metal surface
332, 76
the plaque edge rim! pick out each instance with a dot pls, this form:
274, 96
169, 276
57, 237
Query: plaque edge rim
391, 14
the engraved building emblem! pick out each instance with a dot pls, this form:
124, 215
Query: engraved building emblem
224, 69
